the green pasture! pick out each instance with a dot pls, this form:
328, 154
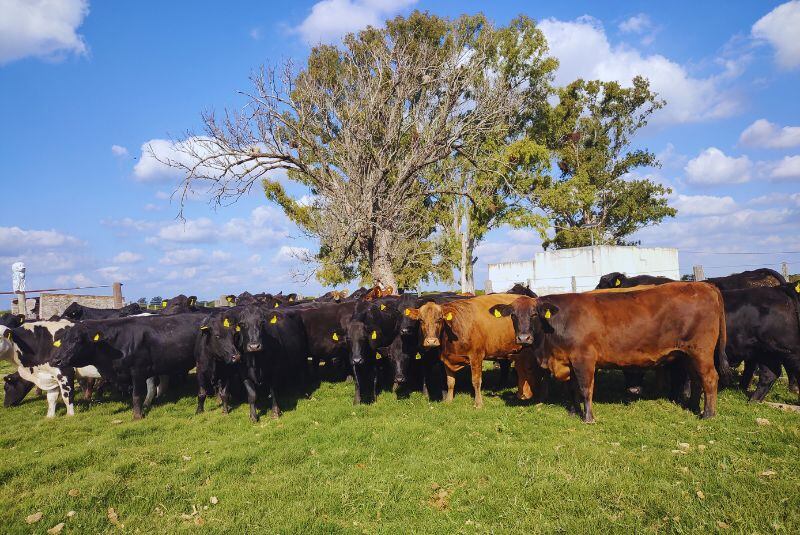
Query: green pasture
403, 466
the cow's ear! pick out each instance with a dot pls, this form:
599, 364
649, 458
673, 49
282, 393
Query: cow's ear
412, 313
9, 335
230, 299
617, 282
546, 310
498, 311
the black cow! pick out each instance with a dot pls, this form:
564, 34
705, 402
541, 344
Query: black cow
325, 328
218, 361
78, 312
521, 289
11, 320
757, 278
620, 280
763, 326
129, 351
180, 304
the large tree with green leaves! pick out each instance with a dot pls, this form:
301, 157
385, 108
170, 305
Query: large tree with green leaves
593, 197
360, 126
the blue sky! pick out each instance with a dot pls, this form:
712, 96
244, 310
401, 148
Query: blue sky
85, 85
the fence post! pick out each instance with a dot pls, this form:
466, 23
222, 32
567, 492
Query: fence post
22, 304
117, 289
699, 275
574, 284
487, 286
785, 270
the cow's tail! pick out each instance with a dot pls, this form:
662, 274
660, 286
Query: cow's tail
721, 357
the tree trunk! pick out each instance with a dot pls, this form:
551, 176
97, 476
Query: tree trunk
467, 248
381, 262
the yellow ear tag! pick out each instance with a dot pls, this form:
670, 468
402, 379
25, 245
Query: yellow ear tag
8, 335
617, 282
96, 337
291, 299
276, 305
163, 304
378, 356
547, 314
449, 316
418, 356
374, 335
57, 343
226, 324
229, 299
383, 307
191, 302
797, 288
274, 319
335, 337
238, 329
497, 313
407, 312
204, 328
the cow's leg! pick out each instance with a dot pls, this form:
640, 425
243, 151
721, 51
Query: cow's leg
476, 367
225, 394
52, 399
204, 386
710, 383
375, 373
451, 383
66, 386
252, 394
574, 396
163, 385
150, 386
747, 374
88, 388
505, 368
276, 410
139, 390
584, 375
357, 376
768, 372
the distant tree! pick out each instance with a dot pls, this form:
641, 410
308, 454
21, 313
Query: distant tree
142, 301
156, 301
595, 198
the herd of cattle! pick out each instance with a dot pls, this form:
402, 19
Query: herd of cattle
692, 332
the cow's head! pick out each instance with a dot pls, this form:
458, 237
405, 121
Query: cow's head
73, 312
366, 333
76, 346
611, 280
16, 388
529, 316
250, 320
218, 334
434, 321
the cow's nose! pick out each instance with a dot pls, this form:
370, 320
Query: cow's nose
524, 339
431, 342
254, 347
235, 357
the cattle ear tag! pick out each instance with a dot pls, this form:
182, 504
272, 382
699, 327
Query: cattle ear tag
418, 356
797, 287
276, 305
226, 323
547, 314
96, 337
383, 307
57, 343
497, 313
163, 304
377, 356
617, 282
238, 329
407, 312
449, 316
291, 299
204, 328
335, 337
274, 319
374, 335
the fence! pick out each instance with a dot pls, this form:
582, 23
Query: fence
50, 304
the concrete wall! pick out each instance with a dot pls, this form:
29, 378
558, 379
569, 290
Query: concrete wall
552, 271
55, 304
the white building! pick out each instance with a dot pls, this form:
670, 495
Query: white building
580, 269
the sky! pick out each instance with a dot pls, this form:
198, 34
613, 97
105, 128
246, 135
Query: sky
86, 86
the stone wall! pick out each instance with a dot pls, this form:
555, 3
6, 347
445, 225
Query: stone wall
55, 304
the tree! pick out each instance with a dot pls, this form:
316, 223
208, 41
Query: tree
359, 127
595, 199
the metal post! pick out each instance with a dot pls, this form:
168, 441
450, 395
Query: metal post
117, 289
574, 284
785, 270
699, 275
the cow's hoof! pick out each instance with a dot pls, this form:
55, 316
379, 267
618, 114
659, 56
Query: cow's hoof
705, 416
137, 416
635, 391
275, 415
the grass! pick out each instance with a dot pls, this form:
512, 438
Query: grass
404, 466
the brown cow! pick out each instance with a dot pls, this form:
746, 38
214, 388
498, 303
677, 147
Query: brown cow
467, 336
573, 334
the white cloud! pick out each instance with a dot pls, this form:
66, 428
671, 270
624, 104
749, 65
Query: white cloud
220, 255
288, 254
119, 150
266, 225
202, 230
712, 166
636, 24
330, 20
763, 133
181, 257
127, 257
256, 34
779, 28
150, 169
77, 279
113, 274
786, 169
41, 28
15, 239
702, 205
584, 51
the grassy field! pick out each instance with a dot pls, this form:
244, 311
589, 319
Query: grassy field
404, 466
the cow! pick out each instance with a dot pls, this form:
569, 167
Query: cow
78, 312
132, 351
11, 320
521, 289
15, 388
179, 304
334, 295
29, 347
325, 329
764, 331
218, 361
757, 278
620, 280
573, 334
465, 336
